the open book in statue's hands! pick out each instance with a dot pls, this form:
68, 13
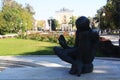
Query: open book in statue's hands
62, 42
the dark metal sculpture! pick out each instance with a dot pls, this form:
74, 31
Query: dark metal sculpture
108, 49
82, 54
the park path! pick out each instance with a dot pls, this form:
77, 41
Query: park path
52, 68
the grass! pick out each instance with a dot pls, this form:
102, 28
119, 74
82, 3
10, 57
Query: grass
13, 46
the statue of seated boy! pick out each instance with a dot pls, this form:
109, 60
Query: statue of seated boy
82, 54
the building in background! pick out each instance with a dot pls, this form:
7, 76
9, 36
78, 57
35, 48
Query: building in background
64, 16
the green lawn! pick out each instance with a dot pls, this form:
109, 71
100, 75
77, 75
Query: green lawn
13, 46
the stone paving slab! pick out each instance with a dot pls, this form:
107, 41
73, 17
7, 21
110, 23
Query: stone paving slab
52, 68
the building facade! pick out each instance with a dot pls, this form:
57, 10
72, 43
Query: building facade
64, 16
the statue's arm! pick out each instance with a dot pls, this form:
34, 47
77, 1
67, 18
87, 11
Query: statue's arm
63, 42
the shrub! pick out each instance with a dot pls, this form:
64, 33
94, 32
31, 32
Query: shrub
70, 40
48, 37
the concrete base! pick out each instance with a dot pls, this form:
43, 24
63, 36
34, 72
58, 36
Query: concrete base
52, 68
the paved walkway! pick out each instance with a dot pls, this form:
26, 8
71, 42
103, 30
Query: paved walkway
52, 68
113, 38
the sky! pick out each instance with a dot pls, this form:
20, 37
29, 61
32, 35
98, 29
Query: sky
44, 9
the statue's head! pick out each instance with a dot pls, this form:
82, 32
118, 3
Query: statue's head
82, 23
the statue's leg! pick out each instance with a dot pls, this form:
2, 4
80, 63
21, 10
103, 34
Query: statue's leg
63, 54
88, 65
66, 55
87, 68
79, 67
72, 53
73, 69
76, 69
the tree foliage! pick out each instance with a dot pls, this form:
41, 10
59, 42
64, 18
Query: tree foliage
111, 18
72, 20
53, 23
41, 23
14, 17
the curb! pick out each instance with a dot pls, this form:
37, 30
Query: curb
107, 58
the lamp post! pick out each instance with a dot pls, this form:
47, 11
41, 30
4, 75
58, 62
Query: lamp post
118, 9
101, 13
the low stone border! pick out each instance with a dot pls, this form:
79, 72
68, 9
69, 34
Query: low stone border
108, 58
8, 36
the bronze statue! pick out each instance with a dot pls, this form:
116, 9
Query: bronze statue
82, 54
108, 49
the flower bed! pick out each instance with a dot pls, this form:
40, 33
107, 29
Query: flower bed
48, 37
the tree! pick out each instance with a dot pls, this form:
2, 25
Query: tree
110, 20
111, 14
52, 23
100, 17
41, 23
56, 23
2, 24
6, 2
15, 17
30, 9
72, 20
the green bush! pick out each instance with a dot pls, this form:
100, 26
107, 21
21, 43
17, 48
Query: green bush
70, 40
40, 37
50, 37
